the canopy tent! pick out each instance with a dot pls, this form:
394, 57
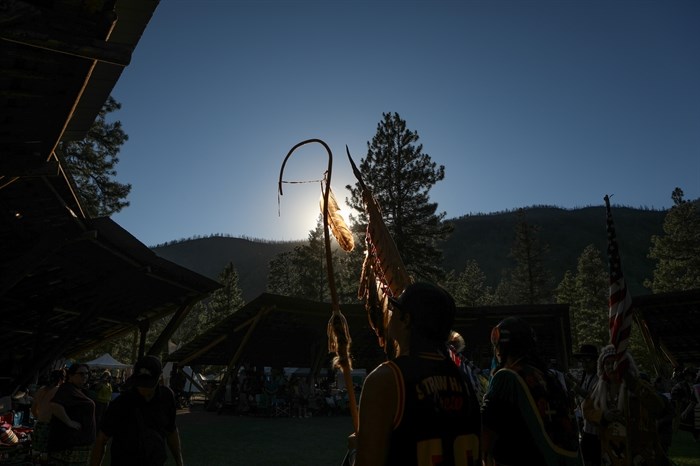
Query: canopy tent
106, 361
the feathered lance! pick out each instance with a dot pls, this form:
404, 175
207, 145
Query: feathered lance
338, 332
383, 271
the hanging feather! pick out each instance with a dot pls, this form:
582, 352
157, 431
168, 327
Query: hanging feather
369, 293
337, 224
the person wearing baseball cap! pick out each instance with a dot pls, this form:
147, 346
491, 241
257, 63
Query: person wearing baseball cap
419, 397
140, 421
147, 372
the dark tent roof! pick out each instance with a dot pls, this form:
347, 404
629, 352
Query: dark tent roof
673, 323
67, 282
291, 332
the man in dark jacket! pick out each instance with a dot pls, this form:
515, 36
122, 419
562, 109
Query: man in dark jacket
140, 421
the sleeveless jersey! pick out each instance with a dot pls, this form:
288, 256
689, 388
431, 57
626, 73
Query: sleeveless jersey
437, 420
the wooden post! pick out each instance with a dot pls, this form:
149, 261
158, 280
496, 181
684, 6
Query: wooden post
234, 360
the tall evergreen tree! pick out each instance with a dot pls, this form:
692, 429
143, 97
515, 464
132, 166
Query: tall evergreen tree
302, 271
310, 264
209, 312
92, 164
528, 282
469, 287
586, 292
400, 176
282, 278
593, 285
677, 251
228, 299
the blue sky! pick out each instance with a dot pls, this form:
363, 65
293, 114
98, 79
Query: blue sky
523, 102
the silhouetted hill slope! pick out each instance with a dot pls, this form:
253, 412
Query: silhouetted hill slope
209, 256
486, 238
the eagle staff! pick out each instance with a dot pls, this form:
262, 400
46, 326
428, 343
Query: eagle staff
383, 272
338, 332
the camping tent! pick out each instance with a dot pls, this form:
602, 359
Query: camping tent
106, 361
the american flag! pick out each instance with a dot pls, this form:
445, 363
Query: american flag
620, 302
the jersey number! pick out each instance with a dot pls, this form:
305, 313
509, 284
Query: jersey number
465, 448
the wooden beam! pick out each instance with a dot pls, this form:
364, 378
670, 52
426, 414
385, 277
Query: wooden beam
28, 167
101, 51
193, 381
175, 321
39, 252
234, 360
203, 350
143, 331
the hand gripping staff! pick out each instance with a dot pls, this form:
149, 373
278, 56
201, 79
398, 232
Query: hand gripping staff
338, 332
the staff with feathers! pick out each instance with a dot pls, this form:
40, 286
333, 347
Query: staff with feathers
338, 332
383, 274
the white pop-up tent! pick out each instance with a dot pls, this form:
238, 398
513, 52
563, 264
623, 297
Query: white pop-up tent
106, 361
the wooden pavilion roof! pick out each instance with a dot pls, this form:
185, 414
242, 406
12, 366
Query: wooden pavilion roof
672, 323
282, 331
67, 282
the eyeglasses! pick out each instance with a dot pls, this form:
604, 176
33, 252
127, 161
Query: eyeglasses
82, 373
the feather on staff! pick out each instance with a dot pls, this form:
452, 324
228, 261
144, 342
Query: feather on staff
338, 332
383, 271
339, 228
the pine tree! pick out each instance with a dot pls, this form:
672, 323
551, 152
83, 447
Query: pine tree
226, 300
469, 287
208, 312
302, 271
591, 304
92, 161
282, 279
566, 293
528, 282
309, 263
677, 252
400, 177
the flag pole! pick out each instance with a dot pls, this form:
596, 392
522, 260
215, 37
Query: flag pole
620, 310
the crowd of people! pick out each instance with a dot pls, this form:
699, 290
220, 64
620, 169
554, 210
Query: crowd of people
75, 418
255, 392
428, 405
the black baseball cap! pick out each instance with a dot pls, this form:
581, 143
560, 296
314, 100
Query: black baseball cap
431, 307
147, 372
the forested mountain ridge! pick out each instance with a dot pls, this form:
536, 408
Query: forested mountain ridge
486, 238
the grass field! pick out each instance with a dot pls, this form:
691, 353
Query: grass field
684, 450
210, 439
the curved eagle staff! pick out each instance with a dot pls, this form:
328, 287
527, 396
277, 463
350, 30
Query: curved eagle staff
383, 271
338, 332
